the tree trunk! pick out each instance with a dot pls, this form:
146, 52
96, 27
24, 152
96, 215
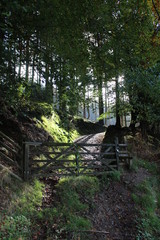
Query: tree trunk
2, 33
62, 88
118, 120
84, 101
20, 59
133, 120
144, 128
100, 95
33, 68
49, 87
27, 59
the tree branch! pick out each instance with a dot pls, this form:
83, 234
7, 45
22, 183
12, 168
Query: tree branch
156, 9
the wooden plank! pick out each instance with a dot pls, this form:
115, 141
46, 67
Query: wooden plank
33, 143
124, 156
109, 154
8, 148
26, 169
11, 173
9, 139
94, 145
73, 153
71, 161
123, 145
72, 144
123, 152
53, 161
117, 152
8, 159
107, 150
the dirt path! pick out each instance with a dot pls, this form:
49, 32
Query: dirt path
112, 212
91, 139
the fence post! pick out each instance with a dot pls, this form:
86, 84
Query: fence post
77, 163
128, 160
25, 161
117, 151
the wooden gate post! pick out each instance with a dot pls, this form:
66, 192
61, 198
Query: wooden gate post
117, 151
25, 161
77, 161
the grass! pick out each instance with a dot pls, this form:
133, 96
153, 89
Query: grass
74, 194
147, 200
15, 227
17, 221
115, 176
137, 163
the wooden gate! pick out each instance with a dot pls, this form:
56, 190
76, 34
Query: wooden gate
69, 159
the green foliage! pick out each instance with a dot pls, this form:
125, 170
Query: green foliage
18, 220
150, 166
50, 214
15, 227
143, 88
103, 115
41, 109
158, 200
77, 223
100, 30
59, 134
36, 109
146, 199
83, 185
28, 198
104, 180
115, 175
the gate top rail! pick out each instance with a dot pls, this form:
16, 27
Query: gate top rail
75, 144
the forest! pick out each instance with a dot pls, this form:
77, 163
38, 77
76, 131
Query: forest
58, 59
72, 45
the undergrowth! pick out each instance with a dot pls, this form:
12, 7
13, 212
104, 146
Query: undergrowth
16, 222
147, 200
137, 163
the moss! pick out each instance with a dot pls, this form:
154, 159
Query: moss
53, 126
146, 197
